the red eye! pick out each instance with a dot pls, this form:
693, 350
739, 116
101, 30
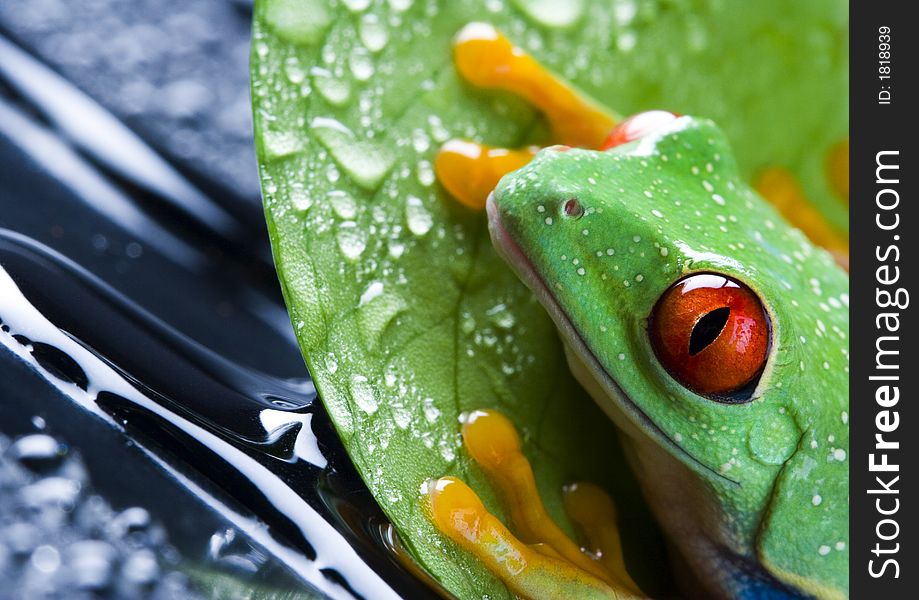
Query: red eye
638, 126
712, 335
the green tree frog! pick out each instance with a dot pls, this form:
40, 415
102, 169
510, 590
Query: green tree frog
711, 332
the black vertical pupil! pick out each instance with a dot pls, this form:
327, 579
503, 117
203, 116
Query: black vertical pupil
707, 329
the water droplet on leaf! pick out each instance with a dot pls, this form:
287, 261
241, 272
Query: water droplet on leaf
335, 90
552, 13
352, 240
373, 33
363, 395
363, 161
298, 21
417, 217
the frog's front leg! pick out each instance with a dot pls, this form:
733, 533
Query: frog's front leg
470, 171
533, 571
487, 59
540, 561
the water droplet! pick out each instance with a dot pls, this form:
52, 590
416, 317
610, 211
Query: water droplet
447, 451
373, 33
356, 5
431, 412
774, 440
626, 40
402, 417
331, 173
352, 240
141, 568
343, 204
420, 141
396, 248
295, 73
361, 64
92, 563
280, 144
363, 395
39, 452
46, 559
467, 325
373, 290
363, 161
299, 197
437, 129
335, 90
298, 21
501, 316
625, 11
377, 310
552, 13
400, 5
425, 173
417, 217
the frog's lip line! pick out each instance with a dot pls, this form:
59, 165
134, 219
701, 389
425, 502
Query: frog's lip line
511, 251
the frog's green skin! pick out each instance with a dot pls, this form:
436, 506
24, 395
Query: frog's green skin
754, 495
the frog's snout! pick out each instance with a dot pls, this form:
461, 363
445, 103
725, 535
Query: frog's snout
491, 208
501, 240
498, 233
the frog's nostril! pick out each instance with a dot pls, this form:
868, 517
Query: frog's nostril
572, 208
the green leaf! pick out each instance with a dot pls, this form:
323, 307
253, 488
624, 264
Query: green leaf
405, 314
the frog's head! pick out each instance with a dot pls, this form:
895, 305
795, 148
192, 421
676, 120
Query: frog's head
711, 332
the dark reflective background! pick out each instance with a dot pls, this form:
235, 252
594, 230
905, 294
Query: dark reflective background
160, 462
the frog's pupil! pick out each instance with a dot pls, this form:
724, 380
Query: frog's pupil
707, 329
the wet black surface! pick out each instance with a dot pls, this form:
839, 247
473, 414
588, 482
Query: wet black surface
172, 70
130, 219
